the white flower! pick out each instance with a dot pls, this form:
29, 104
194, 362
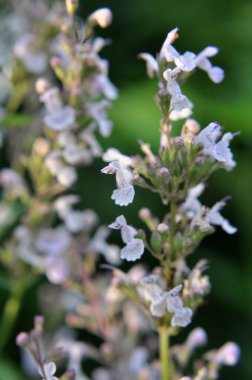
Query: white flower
75, 220
97, 111
34, 61
53, 241
182, 317
179, 102
102, 86
220, 150
58, 117
66, 175
192, 205
125, 193
215, 73
134, 247
151, 63
152, 289
113, 154
168, 52
214, 217
98, 244
189, 61
48, 371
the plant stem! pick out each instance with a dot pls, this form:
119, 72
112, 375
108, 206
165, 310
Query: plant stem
172, 224
165, 363
9, 315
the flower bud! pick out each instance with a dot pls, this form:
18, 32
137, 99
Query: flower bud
71, 6
23, 339
228, 354
101, 17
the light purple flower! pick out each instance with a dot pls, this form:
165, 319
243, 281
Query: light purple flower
134, 247
125, 193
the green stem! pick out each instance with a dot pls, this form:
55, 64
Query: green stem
165, 363
9, 315
172, 224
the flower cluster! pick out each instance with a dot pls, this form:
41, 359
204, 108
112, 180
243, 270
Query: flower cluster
131, 315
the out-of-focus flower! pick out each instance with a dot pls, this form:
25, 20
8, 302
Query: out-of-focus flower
196, 338
58, 117
65, 174
75, 220
102, 17
48, 370
25, 49
152, 290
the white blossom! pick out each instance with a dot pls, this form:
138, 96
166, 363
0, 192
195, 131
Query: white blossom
34, 61
214, 217
125, 193
152, 289
75, 220
48, 371
179, 102
151, 64
58, 117
134, 247
97, 111
218, 150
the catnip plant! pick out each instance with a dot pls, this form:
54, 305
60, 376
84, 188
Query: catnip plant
61, 83
172, 292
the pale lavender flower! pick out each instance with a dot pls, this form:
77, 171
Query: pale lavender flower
65, 174
102, 85
134, 247
218, 150
214, 217
189, 61
99, 245
97, 111
182, 315
58, 117
151, 64
152, 290
125, 193
34, 61
179, 102
49, 369
75, 220
53, 241
113, 154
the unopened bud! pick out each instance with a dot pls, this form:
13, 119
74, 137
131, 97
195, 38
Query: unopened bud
101, 17
23, 339
42, 85
71, 6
